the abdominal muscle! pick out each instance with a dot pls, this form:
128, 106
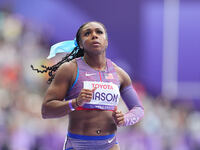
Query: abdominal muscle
92, 122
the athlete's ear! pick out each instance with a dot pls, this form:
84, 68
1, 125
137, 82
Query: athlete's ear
80, 44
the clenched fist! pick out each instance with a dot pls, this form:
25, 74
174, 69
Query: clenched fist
84, 96
118, 117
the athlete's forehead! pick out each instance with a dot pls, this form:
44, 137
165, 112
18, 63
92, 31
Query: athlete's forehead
92, 26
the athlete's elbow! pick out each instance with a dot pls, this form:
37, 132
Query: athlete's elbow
44, 112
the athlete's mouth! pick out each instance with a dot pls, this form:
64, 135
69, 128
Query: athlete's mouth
95, 43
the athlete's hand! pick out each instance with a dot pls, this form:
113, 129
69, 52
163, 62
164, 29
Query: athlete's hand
84, 96
118, 117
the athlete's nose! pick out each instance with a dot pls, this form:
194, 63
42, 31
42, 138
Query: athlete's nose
94, 35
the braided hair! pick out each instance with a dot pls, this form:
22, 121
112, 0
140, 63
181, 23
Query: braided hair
76, 52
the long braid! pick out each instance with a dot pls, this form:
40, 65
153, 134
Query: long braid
77, 52
52, 69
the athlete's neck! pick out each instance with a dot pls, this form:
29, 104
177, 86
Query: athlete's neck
96, 62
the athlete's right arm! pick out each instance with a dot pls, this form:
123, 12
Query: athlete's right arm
54, 105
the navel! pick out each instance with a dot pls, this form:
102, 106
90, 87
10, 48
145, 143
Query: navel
98, 131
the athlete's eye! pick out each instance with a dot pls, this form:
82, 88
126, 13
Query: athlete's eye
87, 33
100, 32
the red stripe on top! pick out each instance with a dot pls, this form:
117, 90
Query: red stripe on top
100, 76
81, 108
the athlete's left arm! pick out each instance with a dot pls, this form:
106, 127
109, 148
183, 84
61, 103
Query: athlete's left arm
129, 96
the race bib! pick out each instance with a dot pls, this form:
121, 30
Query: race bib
106, 93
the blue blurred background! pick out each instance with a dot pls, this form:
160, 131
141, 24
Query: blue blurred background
157, 42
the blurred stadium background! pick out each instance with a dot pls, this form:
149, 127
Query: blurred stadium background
157, 42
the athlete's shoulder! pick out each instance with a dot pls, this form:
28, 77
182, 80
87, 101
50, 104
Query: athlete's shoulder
118, 69
68, 65
66, 70
123, 75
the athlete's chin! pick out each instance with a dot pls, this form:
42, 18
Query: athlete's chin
97, 50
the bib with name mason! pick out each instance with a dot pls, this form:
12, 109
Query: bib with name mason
106, 96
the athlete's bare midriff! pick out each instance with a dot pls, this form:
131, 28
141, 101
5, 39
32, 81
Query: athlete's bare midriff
92, 122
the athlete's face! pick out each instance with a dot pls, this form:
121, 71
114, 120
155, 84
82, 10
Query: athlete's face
93, 38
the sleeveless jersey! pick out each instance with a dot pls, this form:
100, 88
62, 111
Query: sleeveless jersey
106, 96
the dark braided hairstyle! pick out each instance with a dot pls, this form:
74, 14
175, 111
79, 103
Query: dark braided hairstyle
77, 52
